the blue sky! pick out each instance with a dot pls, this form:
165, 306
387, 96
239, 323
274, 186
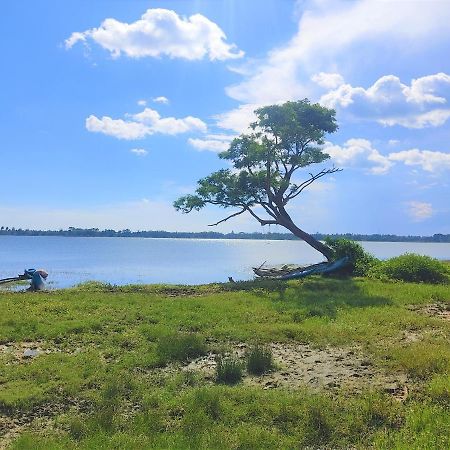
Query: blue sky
113, 109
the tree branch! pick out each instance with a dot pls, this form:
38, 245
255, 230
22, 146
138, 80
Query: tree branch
262, 221
306, 183
226, 218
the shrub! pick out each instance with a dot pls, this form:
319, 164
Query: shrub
413, 268
259, 360
228, 370
360, 261
180, 347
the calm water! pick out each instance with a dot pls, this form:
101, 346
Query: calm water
70, 261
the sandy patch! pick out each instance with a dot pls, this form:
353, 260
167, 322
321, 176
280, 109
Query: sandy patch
27, 350
38, 419
300, 365
441, 310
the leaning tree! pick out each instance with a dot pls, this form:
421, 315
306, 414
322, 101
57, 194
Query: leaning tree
271, 167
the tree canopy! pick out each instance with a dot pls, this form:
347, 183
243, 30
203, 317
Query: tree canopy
269, 167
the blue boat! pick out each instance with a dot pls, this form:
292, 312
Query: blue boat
316, 269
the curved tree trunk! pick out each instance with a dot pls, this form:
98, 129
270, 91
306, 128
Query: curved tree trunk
313, 242
285, 220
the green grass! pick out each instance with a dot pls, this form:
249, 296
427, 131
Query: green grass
259, 360
108, 375
228, 370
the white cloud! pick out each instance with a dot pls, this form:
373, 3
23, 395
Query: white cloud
118, 128
212, 142
169, 125
161, 32
161, 99
142, 102
329, 34
359, 153
143, 124
139, 151
420, 211
74, 38
433, 118
237, 119
328, 80
430, 161
424, 103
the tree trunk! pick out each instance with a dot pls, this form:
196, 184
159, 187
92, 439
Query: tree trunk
314, 243
285, 220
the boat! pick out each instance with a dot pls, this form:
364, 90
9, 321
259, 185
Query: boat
288, 273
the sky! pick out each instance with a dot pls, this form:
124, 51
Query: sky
111, 110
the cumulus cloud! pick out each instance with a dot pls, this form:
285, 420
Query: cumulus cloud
423, 103
213, 142
237, 119
419, 211
142, 102
139, 151
161, 99
328, 80
161, 32
430, 161
169, 125
117, 128
359, 153
143, 124
328, 32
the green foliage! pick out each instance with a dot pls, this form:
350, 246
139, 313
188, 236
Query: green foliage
259, 360
180, 347
228, 370
285, 139
360, 261
412, 268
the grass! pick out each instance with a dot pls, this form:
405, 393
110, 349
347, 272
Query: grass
259, 360
108, 372
228, 370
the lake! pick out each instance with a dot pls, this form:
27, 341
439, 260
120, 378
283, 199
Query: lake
70, 261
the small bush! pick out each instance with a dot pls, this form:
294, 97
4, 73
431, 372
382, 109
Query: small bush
413, 268
228, 370
360, 261
259, 360
180, 347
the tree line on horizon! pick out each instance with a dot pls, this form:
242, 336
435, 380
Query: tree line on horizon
96, 232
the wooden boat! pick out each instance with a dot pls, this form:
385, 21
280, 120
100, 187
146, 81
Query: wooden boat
289, 273
37, 278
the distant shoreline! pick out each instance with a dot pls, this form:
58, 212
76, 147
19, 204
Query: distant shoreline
94, 232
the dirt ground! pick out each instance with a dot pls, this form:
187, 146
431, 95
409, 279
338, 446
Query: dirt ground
300, 365
441, 310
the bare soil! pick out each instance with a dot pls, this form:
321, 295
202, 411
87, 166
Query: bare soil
300, 365
441, 310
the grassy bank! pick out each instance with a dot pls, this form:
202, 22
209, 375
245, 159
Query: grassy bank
358, 363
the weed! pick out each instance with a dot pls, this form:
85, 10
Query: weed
228, 370
180, 347
259, 360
